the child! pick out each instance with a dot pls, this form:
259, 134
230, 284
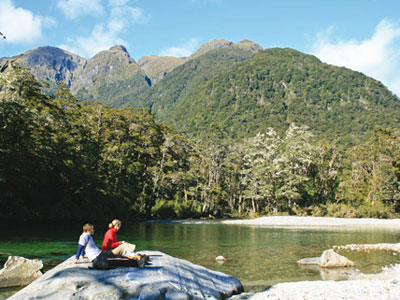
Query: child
86, 244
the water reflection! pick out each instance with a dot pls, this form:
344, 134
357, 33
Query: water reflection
331, 273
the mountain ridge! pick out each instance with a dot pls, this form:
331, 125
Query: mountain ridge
110, 76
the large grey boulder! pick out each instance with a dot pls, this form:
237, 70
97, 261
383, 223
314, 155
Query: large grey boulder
330, 259
19, 271
166, 278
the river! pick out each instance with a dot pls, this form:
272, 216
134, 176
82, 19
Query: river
258, 256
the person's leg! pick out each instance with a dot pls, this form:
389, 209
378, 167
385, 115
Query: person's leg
124, 249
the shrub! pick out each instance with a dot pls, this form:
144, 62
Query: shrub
163, 209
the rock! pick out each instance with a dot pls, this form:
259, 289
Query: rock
166, 278
19, 271
309, 261
220, 258
369, 247
330, 259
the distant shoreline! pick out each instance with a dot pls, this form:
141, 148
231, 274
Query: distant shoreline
306, 222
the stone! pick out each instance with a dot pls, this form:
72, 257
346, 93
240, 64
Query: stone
330, 259
166, 278
309, 261
19, 271
220, 258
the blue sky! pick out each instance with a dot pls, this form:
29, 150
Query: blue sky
363, 35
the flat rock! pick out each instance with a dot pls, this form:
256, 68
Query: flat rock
166, 278
19, 271
309, 261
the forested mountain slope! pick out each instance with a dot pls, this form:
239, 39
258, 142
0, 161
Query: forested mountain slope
281, 86
163, 96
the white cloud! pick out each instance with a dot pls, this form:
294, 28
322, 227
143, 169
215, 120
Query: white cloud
127, 15
101, 38
183, 50
76, 8
117, 2
377, 56
107, 34
20, 25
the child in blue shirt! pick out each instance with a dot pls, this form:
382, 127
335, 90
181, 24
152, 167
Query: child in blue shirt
86, 244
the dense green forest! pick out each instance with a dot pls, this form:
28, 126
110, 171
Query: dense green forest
277, 87
165, 94
63, 161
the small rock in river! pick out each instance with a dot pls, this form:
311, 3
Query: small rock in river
220, 258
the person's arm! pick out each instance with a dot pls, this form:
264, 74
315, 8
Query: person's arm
80, 252
114, 242
83, 240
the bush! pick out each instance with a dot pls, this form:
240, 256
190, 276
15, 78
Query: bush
163, 209
365, 210
187, 210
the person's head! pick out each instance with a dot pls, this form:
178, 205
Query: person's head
115, 224
88, 228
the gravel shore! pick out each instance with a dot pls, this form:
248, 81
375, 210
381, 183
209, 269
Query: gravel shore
297, 221
383, 286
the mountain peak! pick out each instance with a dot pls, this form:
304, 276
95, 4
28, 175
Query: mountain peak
212, 45
118, 48
249, 45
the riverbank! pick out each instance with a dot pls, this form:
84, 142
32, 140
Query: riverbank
382, 286
305, 222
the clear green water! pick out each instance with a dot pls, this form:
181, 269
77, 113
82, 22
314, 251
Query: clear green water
258, 256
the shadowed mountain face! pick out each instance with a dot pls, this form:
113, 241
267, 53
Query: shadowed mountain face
109, 76
106, 77
52, 64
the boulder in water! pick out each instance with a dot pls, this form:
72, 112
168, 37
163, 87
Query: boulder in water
19, 271
330, 259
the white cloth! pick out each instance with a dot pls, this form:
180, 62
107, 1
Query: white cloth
91, 250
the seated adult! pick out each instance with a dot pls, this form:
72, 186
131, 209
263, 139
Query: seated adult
111, 244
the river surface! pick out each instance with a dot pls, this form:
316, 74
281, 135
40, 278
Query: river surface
257, 256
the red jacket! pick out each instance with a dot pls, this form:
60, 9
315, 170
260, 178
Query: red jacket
110, 240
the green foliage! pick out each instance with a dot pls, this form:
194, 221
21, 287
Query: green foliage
65, 161
278, 87
61, 160
163, 209
372, 172
365, 210
165, 94
185, 210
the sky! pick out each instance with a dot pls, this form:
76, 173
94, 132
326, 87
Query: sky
363, 35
